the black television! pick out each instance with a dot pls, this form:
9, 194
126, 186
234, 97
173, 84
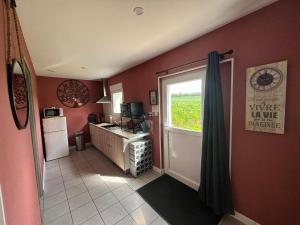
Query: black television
132, 109
136, 108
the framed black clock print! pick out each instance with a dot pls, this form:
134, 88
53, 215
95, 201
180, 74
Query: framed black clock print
265, 98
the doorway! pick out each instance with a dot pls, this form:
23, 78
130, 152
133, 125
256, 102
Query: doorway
182, 101
34, 137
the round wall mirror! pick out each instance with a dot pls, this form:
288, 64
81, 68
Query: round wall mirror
18, 93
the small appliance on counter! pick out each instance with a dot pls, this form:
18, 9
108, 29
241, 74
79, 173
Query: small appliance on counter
102, 118
53, 111
92, 118
134, 111
55, 137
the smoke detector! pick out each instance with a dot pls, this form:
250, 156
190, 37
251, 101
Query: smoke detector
138, 10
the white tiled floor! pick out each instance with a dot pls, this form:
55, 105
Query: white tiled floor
88, 189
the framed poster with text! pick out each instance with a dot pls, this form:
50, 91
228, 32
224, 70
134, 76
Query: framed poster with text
265, 97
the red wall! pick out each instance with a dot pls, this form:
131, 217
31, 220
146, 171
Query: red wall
17, 172
76, 117
265, 167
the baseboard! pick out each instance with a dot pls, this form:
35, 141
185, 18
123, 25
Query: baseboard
183, 179
156, 169
244, 219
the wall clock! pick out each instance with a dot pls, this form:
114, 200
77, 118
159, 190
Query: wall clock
266, 79
73, 93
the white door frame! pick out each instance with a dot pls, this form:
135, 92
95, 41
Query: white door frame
191, 178
161, 123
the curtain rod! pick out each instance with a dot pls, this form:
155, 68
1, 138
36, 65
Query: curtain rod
221, 55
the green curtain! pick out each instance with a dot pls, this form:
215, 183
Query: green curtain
215, 189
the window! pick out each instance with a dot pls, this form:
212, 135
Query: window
116, 91
185, 105
117, 99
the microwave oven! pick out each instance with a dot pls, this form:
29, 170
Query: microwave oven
51, 112
132, 109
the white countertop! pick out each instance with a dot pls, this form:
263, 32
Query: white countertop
121, 133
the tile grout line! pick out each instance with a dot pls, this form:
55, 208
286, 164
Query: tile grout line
66, 193
90, 195
56, 203
51, 179
56, 219
78, 194
118, 202
135, 210
99, 196
95, 171
51, 221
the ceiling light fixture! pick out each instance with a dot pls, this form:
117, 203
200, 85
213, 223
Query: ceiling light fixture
52, 71
138, 11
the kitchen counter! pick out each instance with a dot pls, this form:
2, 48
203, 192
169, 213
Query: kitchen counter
114, 143
122, 133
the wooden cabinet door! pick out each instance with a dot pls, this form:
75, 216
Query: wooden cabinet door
98, 138
110, 146
118, 152
95, 131
106, 143
101, 140
92, 134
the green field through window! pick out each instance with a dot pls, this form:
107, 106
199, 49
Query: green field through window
186, 111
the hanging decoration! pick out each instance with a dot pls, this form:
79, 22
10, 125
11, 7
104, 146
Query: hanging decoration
16, 78
153, 97
19, 87
265, 97
73, 93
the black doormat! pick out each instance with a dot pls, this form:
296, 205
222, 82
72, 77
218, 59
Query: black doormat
177, 203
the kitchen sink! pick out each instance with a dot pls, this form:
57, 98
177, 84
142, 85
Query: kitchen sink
111, 127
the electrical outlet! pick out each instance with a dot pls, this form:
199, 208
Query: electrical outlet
2, 215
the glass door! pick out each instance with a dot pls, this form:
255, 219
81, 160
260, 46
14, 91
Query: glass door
182, 104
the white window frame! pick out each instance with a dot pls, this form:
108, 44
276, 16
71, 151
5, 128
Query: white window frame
182, 77
115, 89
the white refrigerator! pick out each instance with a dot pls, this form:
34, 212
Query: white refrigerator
56, 137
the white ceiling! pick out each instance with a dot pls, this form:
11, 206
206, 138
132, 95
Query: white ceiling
92, 39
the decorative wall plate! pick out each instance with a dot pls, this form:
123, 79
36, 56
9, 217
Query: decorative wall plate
73, 93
